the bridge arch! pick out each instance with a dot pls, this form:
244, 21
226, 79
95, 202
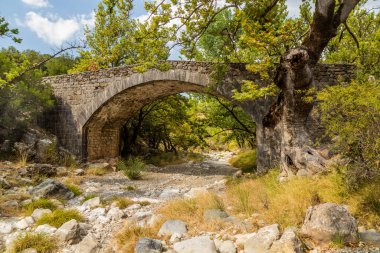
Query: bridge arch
103, 119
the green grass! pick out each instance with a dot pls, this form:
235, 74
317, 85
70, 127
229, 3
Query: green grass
75, 189
246, 161
40, 242
40, 203
132, 168
59, 217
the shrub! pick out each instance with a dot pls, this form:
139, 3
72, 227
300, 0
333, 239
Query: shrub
59, 217
40, 203
40, 242
132, 168
351, 116
246, 161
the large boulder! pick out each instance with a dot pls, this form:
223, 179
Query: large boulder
148, 245
262, 240
196, 245
172, 227
288, 243
50, 188
324, 222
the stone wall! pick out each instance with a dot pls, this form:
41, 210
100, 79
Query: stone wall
92, 106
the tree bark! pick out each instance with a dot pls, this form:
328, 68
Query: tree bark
294, 76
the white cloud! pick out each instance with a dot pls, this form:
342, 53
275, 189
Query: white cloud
37, 3
53, 30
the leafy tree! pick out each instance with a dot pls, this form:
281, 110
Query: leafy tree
118, 39
267, 37
358, 43
5, 31
24, 100
351, 114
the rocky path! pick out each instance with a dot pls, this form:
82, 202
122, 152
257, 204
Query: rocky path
103, 218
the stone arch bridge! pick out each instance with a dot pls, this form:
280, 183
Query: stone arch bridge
93, 106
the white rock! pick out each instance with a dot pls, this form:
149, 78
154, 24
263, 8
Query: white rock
29, 250
172, 226
89, 244
242, 238
262, 241
45, 228
96, 213
69, 232
175, 238
194, 192
133, 207
5, 227
288, 243
195, 245
115, 213
227, 247
91, 203
140, 215
324, 221
103, 220
37, 213
169, 193
24, 223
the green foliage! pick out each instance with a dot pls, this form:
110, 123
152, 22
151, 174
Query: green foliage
5, 31
132, 168
246, 161
60, 216
22, 102
118, 39
40, 203
75, 189
364, 25
351, 115
42, 243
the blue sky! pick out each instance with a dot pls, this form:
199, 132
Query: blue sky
45, 25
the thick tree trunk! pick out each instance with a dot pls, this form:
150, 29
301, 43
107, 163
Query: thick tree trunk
295, 78
283, 135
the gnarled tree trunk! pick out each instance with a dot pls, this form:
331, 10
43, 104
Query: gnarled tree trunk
287, 118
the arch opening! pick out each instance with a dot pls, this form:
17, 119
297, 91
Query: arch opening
104, 133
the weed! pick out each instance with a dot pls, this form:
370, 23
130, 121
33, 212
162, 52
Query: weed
40, 203
42, 243
123, 202
338, 241
59, 217
246, 161
132, 168
75, 189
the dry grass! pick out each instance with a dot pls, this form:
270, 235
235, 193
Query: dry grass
122, 202
286, 203
96, 171
12, 211
40, 242
191, 211
126, 239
